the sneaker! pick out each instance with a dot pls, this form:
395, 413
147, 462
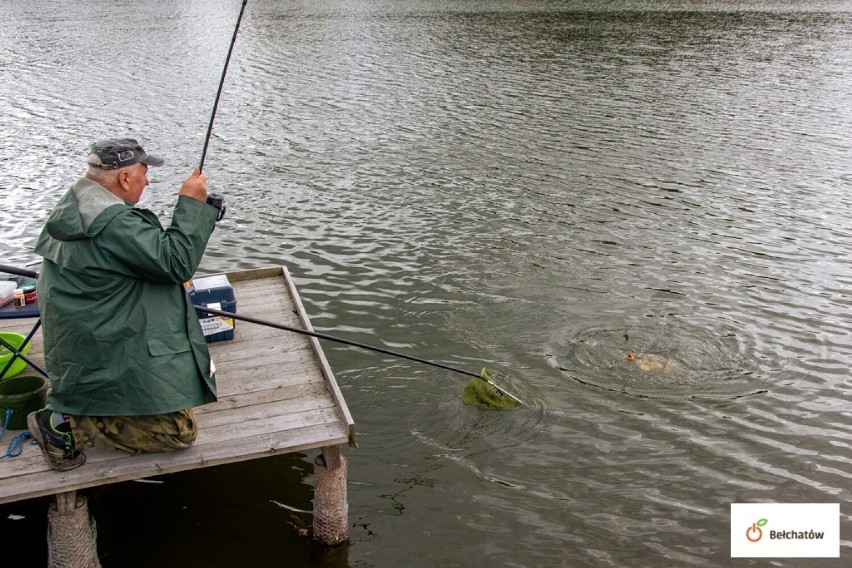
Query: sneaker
56, 443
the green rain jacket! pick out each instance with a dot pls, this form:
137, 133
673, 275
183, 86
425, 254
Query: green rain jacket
120, 335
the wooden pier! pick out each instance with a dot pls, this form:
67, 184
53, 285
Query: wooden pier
277, 395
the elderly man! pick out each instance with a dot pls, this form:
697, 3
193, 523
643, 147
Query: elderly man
123, 347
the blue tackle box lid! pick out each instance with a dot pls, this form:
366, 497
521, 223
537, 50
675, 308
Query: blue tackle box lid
211, 289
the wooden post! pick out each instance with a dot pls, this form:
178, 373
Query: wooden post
71, 535
331, 523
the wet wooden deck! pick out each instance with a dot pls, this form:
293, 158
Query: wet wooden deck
277, 395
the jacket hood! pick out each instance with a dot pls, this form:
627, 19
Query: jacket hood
83, 211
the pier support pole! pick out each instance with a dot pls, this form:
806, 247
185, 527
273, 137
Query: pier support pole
331, 509
71, 535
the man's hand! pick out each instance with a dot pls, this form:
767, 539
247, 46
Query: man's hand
195, 186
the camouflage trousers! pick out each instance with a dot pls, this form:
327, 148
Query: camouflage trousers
135, 434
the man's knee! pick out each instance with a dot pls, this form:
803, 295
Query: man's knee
136, 434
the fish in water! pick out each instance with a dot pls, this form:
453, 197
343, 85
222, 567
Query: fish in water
651, 362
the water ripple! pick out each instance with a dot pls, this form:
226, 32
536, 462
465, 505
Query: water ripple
513, 186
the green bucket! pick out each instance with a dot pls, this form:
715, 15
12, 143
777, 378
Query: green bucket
22, 394
15, 340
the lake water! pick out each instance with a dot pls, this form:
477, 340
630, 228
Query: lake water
537, 187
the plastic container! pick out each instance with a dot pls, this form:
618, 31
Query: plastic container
7, 292
15, 340
214, 292
22, 395
30, 294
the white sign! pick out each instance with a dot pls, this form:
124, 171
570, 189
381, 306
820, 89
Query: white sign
785, 530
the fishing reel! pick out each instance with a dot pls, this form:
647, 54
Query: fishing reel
217, 201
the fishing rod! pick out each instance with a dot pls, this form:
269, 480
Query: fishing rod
221, 84
283, 327
18, 271
250, 319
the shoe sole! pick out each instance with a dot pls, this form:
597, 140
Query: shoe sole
35, 431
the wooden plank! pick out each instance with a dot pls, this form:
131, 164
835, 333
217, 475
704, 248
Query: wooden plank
254, 274
260, 415
289, 377
241, 350
345, 416
231, 402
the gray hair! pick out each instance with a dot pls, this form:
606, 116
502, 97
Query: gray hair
99, 175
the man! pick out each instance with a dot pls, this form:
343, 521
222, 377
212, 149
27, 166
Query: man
122, 344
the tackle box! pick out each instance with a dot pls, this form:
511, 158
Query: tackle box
217, 293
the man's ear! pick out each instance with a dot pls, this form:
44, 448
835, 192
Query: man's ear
123, 179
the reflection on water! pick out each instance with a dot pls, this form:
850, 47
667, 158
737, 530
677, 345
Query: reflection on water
510, 185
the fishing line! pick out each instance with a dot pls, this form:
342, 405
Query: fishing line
221, 84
